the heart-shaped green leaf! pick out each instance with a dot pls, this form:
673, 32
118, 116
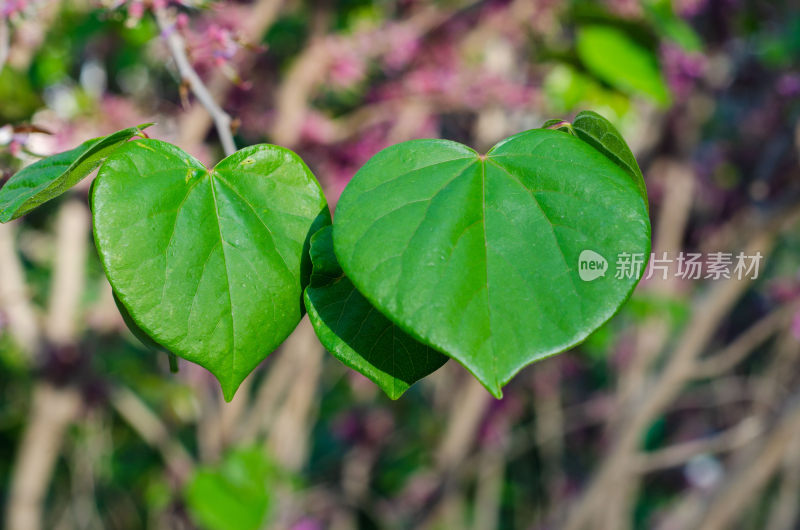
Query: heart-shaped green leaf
209, 263
356, 333
478, 256
50, 177
598, 132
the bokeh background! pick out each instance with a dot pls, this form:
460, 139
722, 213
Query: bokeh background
683, 412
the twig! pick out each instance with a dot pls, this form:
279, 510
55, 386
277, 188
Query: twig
745, 343
742, 433
721, 297
195, 122
177, 48
784, 512
53, 409
147, 425
69, 275
740, 489
5, 42
14, 299
288, 439
488, 490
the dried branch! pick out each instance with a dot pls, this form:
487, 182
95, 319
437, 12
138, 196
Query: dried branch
53, 409
153, 431
745, 343
739, 489
744, 432
5, 42
616, 467
14, 299
288, 439
177, 48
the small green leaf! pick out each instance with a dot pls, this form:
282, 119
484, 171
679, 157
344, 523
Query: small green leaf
50, 177
598, 132
623, 63
209, 263
356, 333
480, 256
233, 495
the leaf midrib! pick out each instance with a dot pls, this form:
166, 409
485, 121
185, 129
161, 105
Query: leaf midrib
227, 275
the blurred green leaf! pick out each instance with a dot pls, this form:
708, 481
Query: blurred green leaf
17, 97
623, 63
233, 495
567, 89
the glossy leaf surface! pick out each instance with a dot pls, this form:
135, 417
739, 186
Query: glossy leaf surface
50, 177
614, 57
358, 334
598, 132
208, 263
478, 256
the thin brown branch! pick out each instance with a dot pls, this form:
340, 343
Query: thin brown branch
744, 432
740, 489
5, 42
152, 430
14, 299
195, 122
616, 467
745, 343
289, 439
177, 48
53, 409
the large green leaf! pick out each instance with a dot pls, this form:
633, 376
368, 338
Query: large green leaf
613, 56
356, 333
233, 495
208, 263
50, 177
598, 132
478, 256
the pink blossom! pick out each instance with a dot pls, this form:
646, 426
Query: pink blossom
347, 69
788, 85
689, 8
13, 7
625, 8
404, 44
682, 68
307, 523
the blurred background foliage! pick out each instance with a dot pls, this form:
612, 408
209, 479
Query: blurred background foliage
681, 412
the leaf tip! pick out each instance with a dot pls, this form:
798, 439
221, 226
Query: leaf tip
229, 387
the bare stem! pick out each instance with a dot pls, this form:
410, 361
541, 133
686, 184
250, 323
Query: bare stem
5, 42
177, 48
